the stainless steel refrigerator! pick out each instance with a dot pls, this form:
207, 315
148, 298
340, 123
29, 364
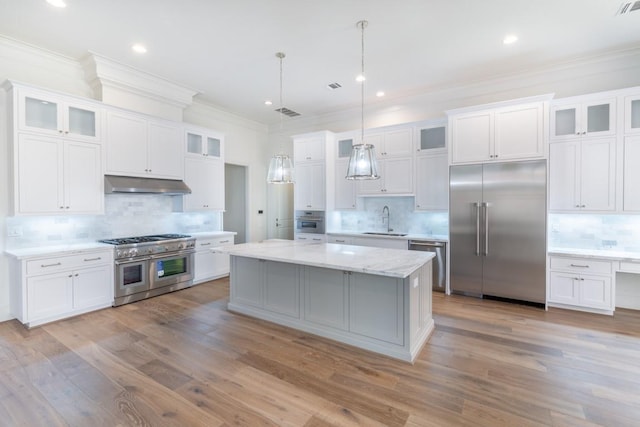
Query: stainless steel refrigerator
497, 220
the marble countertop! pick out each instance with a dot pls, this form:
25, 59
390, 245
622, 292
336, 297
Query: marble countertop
409, 236
383, 262
64, 249
597, 253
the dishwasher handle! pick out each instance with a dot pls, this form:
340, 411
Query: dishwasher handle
426, 244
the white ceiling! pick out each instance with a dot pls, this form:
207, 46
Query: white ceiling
225, 49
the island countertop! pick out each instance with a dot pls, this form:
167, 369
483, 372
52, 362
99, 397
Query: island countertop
383, 262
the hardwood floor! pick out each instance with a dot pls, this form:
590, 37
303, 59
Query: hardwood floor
182, 359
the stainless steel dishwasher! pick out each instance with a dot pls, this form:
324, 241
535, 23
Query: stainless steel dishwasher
439, 262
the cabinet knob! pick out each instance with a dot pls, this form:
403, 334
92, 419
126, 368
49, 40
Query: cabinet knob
60, 131
61, 207
71, 275
583, 206
577, 206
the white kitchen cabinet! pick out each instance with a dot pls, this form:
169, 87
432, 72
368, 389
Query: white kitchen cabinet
396, 141
204, 143
144, 147
45, 288
47, 113
345, 189
632, 113
582, 175
55, 175
396, 178
432, 182
631, 174
431, 136
205, 178
309, 148
209, 265
376, 307
326, 295
309, 186
341, 240
580, 117
311, 238
381, 242
501, 133
269, 285
581, 283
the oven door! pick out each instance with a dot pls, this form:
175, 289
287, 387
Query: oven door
132, 276
170, 269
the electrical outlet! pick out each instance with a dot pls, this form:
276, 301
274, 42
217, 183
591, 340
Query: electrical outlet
14, 231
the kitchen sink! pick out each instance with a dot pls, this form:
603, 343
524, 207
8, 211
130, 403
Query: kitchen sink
376, 233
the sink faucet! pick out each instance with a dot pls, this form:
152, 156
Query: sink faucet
385, 216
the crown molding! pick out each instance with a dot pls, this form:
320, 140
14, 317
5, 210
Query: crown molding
104, 73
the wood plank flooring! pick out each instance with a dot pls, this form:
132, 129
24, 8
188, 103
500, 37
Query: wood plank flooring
182, 359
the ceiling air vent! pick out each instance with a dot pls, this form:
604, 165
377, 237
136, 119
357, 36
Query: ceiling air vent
335, 85
287, 112
628, 7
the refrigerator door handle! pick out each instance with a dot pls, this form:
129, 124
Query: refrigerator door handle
485, 205
477, 205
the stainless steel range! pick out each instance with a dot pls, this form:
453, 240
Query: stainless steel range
147, 266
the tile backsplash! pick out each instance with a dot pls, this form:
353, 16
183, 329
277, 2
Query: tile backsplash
125, 215
584, 231
402, 217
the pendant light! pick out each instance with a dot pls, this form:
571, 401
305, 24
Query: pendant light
280, 167
362, 162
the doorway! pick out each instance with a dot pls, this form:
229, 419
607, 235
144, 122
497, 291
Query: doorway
235, 201
280, 205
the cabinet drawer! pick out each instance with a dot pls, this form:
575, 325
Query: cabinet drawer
581, 265
53, 264
212, 242
630, 266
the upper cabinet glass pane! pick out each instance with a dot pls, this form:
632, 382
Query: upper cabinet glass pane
344, 147
82, 122
194, 143
41, 114
565, 122
432, 138
598, 118
213, 147
635, 114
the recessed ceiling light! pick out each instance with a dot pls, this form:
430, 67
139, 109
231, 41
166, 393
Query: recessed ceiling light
379, 94
57, 3
268, 102
510, 39
139, 48
360, 78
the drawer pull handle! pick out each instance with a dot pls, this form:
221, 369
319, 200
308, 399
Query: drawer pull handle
50, 265
205, 244
93, 259
224, 241
578, 265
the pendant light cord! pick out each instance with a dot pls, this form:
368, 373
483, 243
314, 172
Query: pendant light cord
362, 25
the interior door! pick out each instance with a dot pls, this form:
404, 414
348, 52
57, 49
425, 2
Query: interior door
465, 229
280, 205
514, 251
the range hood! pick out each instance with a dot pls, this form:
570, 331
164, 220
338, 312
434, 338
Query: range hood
132, 184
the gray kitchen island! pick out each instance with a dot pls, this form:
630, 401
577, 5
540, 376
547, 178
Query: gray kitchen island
373, 298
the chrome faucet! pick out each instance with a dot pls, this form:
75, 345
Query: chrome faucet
385, 215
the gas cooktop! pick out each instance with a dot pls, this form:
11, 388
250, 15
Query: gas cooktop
144, 239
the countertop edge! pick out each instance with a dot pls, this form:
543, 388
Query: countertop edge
409, 236
596, 253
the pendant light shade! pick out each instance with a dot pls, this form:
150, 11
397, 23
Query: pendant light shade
280, 167
362, 162
280, 170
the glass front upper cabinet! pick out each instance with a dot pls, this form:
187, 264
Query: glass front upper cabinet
203, 145
632, 114
49, 115
432, 138
585, 119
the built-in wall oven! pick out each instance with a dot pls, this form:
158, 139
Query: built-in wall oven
147, 266
310, 222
